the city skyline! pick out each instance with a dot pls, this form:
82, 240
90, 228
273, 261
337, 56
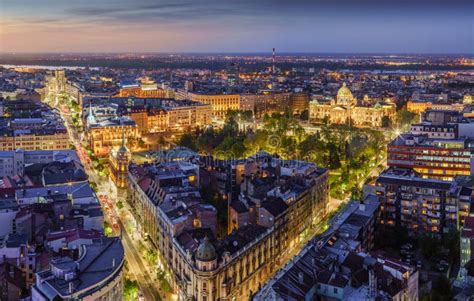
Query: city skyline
244, 27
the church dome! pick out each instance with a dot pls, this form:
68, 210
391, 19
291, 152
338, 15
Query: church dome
206, 251
344, 95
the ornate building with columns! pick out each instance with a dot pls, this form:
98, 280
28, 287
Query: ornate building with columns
345, 109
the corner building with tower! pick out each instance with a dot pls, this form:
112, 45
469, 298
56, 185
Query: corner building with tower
279, 200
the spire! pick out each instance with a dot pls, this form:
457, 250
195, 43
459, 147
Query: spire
123, 147
90, 117
123, 138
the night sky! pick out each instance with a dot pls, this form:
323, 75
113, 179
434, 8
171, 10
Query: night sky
343, 26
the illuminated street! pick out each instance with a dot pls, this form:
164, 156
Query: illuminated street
139, 269
236, 150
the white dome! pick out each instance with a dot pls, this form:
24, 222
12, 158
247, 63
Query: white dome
344, 96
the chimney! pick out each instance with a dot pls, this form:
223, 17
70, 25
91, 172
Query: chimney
300, 277
362, 206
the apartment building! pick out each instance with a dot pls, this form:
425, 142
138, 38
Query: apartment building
169, 209
437, 158
421, 205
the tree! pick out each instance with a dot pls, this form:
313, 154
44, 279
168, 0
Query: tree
385, 121
107, 229
188, 140
442, 289
119, 205
405, 118
334, 158
356, 193
93, 186
151, 257
451, 241
304, 115
161, 275
130, 289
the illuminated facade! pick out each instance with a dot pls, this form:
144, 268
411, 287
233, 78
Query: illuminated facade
299, 102
118, 164
44, 140
267, 102
421, 205
432, 158
172, 116
32, 131
344, 109
234, 267
466, 245
57, 82
146, 89
220, 103
103, 136
419, 107
142, 93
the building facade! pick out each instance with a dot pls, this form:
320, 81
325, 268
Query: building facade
96, 275
235, 266
105, 135
265, 102
421, 205
437, 158
345, 110
220, 103
118, 164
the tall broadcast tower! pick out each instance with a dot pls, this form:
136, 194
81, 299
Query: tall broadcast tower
273, 61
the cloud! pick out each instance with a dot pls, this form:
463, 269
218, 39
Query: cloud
241, 25
112, 10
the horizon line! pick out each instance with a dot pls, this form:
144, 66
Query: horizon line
237, 53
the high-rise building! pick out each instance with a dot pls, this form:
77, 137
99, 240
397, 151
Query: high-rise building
299, 102
421, 205
466, 245
436, 158
233, 74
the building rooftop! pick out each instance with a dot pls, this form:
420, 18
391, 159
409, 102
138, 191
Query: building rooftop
406, 178
97, 262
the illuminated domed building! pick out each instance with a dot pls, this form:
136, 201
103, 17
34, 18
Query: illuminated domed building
344, 97
345, 108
